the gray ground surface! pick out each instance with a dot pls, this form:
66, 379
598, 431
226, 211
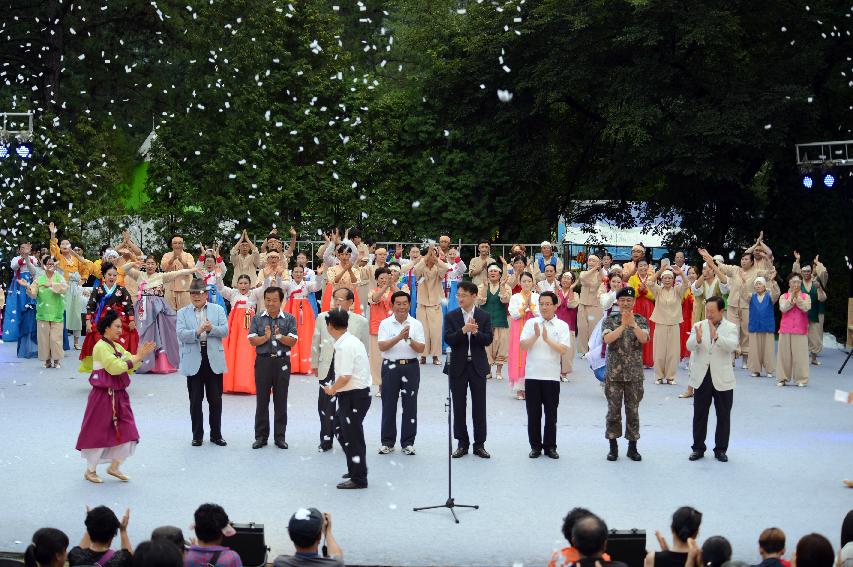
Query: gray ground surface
790, 449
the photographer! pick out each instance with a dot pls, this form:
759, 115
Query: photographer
306, 528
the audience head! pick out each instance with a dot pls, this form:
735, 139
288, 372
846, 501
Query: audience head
158, 553
614, 279
526, 280
177, 244
567, 279
171, 533
746, 260
813, 550
771, 542
715, 551
102, 525
150, 265
244, 282
484, 248
305, 528
48, 549
589, 536
607, 259
571, 519
211, 524
297, 273
550, 271
685, 523
494, 272
847, 529
273, 296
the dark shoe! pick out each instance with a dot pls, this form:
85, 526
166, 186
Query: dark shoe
197, 442
324, 448
349, 485
259, 443
534, 453
482, 453
281, 444
695, 456
460, 452
552, 453
221, 442
614, 450
721, 456
632, 453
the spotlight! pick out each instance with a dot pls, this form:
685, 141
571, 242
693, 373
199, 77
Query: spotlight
24, 150
4, 150
808, 182
829, 180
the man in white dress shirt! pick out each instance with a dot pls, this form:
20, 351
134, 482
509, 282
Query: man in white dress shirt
712, 342
352, 389
401, 341
545, 338
322, 360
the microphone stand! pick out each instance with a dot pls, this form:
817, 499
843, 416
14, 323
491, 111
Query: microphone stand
450, 504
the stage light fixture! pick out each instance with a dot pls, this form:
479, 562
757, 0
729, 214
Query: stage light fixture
24, 150
4, 150
808, 182
829, 180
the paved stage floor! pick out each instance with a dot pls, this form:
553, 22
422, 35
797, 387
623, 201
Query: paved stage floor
790, 449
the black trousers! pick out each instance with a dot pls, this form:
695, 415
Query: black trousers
271, 374
326, 408
459, 386
352, 408
723, 402
197, 384
542, 395
400, 381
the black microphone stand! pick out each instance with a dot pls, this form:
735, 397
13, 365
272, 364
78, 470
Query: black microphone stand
451, 502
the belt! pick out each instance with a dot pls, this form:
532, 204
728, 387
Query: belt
272, 355
404, 361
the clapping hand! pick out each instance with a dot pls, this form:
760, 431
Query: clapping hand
544, 333
698, 332
267, 332
661, 541
628, 319
144, 350
797, 256
126, 518
713, 331
404, 334
536, 330
470, 327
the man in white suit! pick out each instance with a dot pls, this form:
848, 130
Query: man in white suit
322, 355
201, 327
712, 342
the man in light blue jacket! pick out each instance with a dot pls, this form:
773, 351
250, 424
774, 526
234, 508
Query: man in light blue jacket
201, 328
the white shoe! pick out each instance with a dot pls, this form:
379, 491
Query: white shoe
409, 450
386, 450
672, 382
755, 375
56, 364
489, 376
780, 384
770, 375
801, 385
658, 381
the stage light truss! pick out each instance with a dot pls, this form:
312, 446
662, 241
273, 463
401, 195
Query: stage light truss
17, 129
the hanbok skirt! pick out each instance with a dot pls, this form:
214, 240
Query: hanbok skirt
448, 305
644, 306
517, 358
300, 353
686, 324
157, 321
16, 301
108, 431
239, 377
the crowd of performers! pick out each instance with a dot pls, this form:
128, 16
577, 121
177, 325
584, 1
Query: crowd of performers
58, 297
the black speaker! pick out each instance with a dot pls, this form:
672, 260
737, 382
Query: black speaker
250, 544
627, 546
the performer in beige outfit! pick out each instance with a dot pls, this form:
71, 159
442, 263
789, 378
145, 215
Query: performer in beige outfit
815, 278
245, 258
177, 291
430, 270
589, 308
667, 317
548, 257
477, 266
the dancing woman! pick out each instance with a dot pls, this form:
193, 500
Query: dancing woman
155, 319
108, 433
567, 311
18, 303
109, 296
48, 289
239, 378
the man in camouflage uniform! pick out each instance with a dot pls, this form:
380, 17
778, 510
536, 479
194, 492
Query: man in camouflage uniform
624, 333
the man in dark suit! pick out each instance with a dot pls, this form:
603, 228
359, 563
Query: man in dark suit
468, 331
